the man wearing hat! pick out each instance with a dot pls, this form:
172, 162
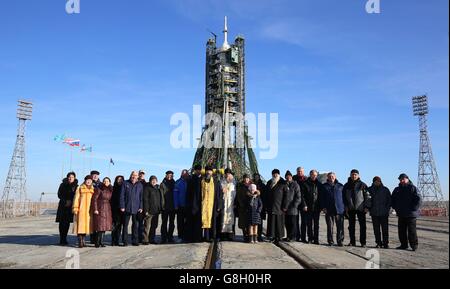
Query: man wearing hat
168, 215
193, 229
357, 204
295, 199
406, 202
380, 197
277, 199
95, 178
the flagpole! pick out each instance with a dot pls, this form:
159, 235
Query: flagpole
90, 158
109, 169
63, 161
84, 162
71, 157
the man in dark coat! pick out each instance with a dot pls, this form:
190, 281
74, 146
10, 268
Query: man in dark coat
153, 200
380, 197
294, 199
242, 203
278, 202
406, 202
193, 230
311, 199
64, 215
179, 198
141, 216
168, 215
357, 204
300, 178
332, 205
261, 187
131, 205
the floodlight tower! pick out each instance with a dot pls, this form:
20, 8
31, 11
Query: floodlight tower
14, 198
428, 181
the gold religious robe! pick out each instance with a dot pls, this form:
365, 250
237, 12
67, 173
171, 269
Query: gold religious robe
207, 203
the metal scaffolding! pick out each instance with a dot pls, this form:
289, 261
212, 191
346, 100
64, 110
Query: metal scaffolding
225, 97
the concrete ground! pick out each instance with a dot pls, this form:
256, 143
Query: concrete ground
31, 243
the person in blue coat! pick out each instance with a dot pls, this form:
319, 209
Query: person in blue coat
179, 199
332, 205
131, 204
406, 202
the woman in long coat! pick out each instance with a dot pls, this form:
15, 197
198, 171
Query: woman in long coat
117, 215
64, 216
83, 221
102, 210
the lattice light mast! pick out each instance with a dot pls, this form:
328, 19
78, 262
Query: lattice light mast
428, 181
14, 198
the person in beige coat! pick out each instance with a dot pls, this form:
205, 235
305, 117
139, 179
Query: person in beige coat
83, 220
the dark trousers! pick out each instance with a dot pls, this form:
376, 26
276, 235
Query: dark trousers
63, 231
193, 228
301, 227
134, 228
291, 226
407, 232
150, 225
275, 226
181, 222
118, 224
362, 226
141, 227
168, 220
312, 225
304, 230
381, 228
339, 221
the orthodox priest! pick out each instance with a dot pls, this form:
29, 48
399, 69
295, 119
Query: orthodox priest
212, 205
227, 218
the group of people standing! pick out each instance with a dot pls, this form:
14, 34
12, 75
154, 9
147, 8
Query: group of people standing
208, 208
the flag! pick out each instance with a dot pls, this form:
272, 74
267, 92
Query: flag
86, 149
72, 142
112, 162
60, 138
75, 143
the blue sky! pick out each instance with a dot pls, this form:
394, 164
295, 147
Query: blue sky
340, 79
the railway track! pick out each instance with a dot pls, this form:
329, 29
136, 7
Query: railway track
214, 256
